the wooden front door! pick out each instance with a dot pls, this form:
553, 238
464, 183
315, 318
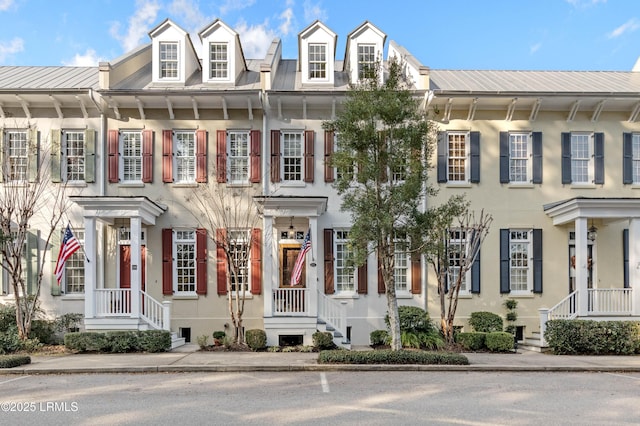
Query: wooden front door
288, 255
125, 266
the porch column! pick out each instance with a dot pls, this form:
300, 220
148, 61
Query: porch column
268, 269
312, 268
581, 265
90, 267
136, 266
634, 264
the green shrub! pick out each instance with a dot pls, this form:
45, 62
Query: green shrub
391, 357
410, 340
68, 322
379, 337
9, 341
119, 341
323, 340
10, 361
431, 341
510, 304
122, 341
593, 337
220, 335
414, 320
472, 341
256, 339
499, 341
7, 316
153, 341
202, 341
87, 341
43, 330
486, 322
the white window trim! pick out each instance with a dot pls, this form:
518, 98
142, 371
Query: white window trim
529, 157
247, 292
121, 158
63, 162
8, 156
63, 281
358, 63
467, 158
192, 178
591, 162
295, 182
178, 61
343, 293
325, 62
227, 61
467, 275
244, 180
174, 254
635, 138
529, 289
403, 293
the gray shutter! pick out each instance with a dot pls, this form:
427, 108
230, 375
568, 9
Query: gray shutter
537, 260
32, 262
55, 250
536, 148
625, 256
442, 157
56, 155
566, 157
475, 157
598, 153
504, 157
90, 156
475, 274
34, 154
627, 158
505, 285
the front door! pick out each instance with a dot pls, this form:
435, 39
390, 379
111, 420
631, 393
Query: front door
288, 255
572, 267
125, 266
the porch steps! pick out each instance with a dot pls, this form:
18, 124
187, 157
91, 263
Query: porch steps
176, 341
338, 338
533, 343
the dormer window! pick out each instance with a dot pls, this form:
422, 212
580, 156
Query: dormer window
366, 60
168, 60
218, 61
317, 61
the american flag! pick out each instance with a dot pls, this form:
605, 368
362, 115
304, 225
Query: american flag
297, 268
69, 246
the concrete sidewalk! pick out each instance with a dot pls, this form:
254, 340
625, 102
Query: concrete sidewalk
189, 359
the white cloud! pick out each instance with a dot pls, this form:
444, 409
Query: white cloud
255, 39
190, 13
585, 3
287, 20
534, 48
9, 48
629, 26
313, 11
88, 59
230, 5
138, 25
5, 4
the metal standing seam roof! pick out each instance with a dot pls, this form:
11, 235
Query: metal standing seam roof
605, 82
48, 78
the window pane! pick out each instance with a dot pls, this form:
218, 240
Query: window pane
185, 261
636, 157
168, 60
239, 250
457, 157
131, 156
74, 267
317, 61
519, 247
218, 60
238, 156
366, 60
292, 156
17, 149
74, 155
344, 274
580, 158
518, 157
185, 156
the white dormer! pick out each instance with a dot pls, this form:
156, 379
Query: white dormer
364, 49
174, 58
222, 57
316, 54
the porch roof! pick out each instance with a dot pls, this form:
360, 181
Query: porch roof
292, 205
566, 211
108, 208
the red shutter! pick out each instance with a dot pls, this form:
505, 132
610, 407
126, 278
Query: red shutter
329, 175
113, 139
256, 261
201, 156
221, 155
309, 136
381, 286
416, 274
221, 261
167, 155
328, 261
147, 156
362, 279
201, 261
167, 261
256, 170
275, 156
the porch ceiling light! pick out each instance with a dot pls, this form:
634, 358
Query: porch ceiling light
292, 233
592, 234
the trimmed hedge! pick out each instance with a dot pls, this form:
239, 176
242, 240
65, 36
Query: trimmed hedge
588, 337
323, 340
391, 357
119, 341
499, 341
472, 341
10, 361
256, 339
379, 337
486, 322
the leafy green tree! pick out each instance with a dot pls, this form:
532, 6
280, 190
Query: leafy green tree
383, 149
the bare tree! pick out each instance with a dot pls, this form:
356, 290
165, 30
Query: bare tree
232, 220
28, 203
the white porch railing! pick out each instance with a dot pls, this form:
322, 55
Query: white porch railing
291, 301
567, 308
609, 301
152, 311
113, 302
333, 313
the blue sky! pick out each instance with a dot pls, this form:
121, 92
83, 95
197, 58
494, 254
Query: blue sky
452, 34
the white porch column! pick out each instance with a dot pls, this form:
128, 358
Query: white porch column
90, 267
136, 266
581, 265
634, 264
268, 269
312, 268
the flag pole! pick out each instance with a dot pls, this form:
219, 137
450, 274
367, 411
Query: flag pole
81, 246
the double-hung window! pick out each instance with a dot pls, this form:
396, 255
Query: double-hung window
402, 264
456, 251
239, 251
17, 149
238, 156
459, 157
345, 272
74, 155
131, 164
292, 156
457, 164
635, 157
583, 158
185, 261
520, 271
185, 156
519, 157
74, 268
521, 261
218, 61
317, 61
169, 60
366, 61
